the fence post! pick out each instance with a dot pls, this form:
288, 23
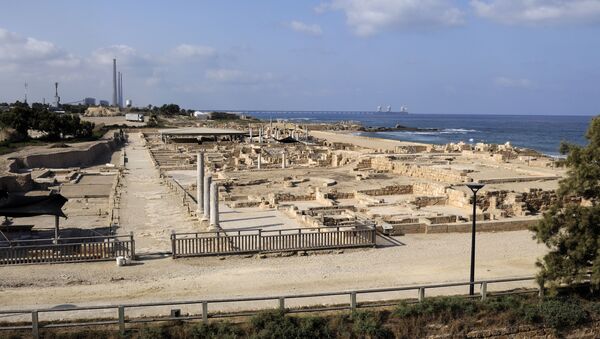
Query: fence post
483, 290
35, 326
132, 245
421, 294
352, 301
205, 312
122, 319
374, 236
173, 253
260, 240
282, 303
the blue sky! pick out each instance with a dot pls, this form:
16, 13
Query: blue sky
434, 56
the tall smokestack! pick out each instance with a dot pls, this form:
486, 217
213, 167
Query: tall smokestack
121, 91
114, 101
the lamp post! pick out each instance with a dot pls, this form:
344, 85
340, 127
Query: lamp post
474, 187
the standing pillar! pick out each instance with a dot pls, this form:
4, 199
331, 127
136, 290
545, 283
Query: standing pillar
250, 134
306, 133
214, 205
56, 229
260, 135
283, 160
200, 184
206, 200
258, 161
271, 127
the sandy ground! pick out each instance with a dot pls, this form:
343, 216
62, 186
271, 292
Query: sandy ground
148, 208
420, 259
151, 212
367, 142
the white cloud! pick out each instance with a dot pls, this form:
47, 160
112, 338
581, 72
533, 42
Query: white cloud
16, 51
301, 27
368, 17
194, 51
513, 82
538, 11
234, 76
125, 55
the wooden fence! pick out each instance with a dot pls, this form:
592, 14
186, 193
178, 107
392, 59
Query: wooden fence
257, 241
280, 301
45, 251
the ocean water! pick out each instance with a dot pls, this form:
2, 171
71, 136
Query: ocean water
542, 133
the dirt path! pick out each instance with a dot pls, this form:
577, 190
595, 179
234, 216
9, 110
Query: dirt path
424, 259
148, 208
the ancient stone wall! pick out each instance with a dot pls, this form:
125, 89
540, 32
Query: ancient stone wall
430, 173
389, 190
71, 158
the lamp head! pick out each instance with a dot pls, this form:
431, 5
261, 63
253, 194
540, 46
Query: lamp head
475, 186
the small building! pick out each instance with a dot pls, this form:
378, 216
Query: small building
104, 103
200, 115
200, 134
89, 101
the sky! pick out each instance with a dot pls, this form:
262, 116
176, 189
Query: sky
433, 56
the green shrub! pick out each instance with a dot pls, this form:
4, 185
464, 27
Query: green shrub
369, 325
154, 332
560, 313
216, 330
443, 306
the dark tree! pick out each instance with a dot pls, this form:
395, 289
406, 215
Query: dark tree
571, 226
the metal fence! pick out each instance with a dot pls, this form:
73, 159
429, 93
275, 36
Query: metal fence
45, 251
260, 241
279, 301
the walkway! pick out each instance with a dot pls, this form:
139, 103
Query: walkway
148, 208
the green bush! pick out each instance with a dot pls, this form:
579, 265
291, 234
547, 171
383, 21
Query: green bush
275, 324
443, 306
216, 330
154, 332
560, 313
369, 325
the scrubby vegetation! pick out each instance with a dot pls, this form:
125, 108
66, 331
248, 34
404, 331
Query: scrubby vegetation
453, 316
55, 126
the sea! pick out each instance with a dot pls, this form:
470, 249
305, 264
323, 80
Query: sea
543, 133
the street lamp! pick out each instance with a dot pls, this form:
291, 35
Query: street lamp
474, 188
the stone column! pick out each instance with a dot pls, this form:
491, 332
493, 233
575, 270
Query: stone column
250, 134
258, 161
206, 200
200, 184
260, 135
306, 133
214, 205
283, 160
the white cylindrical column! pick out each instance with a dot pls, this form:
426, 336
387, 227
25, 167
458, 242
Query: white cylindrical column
200, 184
260, 136
214, 205
258, 161
207, 182
283, 160
250, 134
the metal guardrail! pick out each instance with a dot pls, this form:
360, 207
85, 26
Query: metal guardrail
280, 300
64, 250
260, 241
